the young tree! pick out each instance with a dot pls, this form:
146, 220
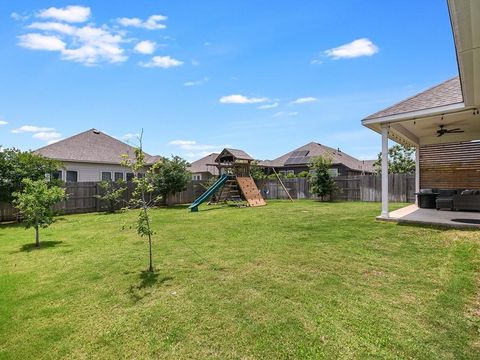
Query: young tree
256, 171
112, 192
400, 160
16, 165
35, 203
143, 180
320, 178
171, 176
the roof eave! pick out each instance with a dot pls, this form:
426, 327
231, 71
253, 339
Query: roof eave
411, 115
464, 17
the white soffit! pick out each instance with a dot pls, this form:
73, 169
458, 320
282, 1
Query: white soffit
465, 17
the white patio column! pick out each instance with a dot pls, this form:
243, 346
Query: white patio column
385, 128
417, 171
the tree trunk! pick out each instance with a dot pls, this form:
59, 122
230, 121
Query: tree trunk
37, 236
150, 256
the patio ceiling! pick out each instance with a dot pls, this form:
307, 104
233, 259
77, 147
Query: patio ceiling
422, 130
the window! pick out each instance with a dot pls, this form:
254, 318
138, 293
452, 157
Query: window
72, 176
118, 176
129, 176
56, 175
196, 177
333, 172
106, 176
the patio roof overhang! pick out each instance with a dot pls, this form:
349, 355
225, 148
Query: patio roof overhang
453, 104
419, 127
465, 19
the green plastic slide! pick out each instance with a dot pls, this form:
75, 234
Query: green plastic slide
207, 194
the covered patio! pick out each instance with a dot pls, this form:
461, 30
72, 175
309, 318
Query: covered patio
443, 124
412, 214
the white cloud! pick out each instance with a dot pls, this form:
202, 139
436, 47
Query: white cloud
60, 29
97, 44
316, 62
3, 122
357, 48
53, 26
196, 83
285, 113
241, 99
164, 62
304, 100
130, 136
48, 136
192, 145
31, 128
41, 42
88, 44
268, 106
18, 17
152, 23
182, 142
145, 47
72, 13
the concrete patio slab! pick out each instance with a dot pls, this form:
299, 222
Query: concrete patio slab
412, 214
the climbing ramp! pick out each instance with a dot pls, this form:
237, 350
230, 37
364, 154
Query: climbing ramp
250, 191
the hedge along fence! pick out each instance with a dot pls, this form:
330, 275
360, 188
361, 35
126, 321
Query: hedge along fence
82, 196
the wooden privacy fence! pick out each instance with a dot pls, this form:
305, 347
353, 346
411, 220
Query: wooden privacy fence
350, 188
82, 195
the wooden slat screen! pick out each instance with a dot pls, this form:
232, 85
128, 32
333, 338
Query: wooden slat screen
450, 166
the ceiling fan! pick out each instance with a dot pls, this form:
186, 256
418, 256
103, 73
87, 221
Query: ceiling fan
442, 131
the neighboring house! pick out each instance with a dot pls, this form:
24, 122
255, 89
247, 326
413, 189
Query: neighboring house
204, 168
297, 161
91, 156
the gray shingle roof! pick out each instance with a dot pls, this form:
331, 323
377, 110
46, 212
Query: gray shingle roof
446, 93
239, 154
316, 149
91, 146
201, 165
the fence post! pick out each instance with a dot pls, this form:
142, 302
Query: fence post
97, 200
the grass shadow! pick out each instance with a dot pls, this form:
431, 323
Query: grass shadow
147, 280
10, 225
173, 207
43, 245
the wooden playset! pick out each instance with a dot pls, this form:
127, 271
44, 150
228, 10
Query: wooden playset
234, 184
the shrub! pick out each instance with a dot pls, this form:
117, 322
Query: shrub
171, 176
35, 203
112, 193
321, 180
16, 165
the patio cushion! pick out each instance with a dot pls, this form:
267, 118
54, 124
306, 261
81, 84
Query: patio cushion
467, 201
446, 193
444, 203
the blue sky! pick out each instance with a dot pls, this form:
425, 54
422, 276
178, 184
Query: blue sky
263, 76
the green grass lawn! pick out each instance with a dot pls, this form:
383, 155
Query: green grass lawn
287, 281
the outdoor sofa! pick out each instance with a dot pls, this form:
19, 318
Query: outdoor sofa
468, 200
